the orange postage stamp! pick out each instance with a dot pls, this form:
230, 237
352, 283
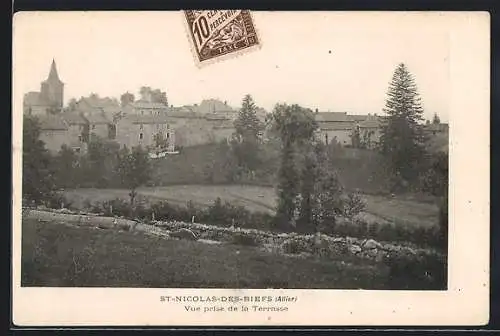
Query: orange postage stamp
215, 33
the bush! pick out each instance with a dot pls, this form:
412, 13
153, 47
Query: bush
407, 271
353, 205
57, 201
296, 246
244, 239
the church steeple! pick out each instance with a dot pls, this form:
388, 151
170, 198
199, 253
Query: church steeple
52, 89
53, 76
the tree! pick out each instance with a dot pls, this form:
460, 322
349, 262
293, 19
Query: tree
38, 176
134, 169
296, 126
158, 96
126, 98
436, 119
72, 104
245, 143
153, 95
101, 162
356, 137
247, 124
402, 140
66, 168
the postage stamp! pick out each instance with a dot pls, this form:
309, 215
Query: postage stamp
215, 33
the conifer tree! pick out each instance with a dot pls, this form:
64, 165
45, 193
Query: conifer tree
402, 140
248, 125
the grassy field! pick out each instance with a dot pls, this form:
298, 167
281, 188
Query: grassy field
380, 209
55, 254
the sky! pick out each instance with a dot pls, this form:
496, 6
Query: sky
333, 61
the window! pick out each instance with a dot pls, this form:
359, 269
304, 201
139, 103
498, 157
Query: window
80, 138
142, 112
150, 112
93, 127
77, 150
141, 126
168, 135
141, 136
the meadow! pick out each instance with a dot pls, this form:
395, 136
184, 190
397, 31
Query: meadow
409, 209
56, 254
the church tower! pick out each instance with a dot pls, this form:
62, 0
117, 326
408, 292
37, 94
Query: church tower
52, 89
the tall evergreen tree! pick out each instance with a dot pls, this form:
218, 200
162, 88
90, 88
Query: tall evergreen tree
402, 140
245, 146
247, 124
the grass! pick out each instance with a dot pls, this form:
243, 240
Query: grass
55, 254
381, 209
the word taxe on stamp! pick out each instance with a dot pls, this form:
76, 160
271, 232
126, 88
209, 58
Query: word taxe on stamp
216, 33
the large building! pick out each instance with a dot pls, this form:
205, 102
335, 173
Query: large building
50, 97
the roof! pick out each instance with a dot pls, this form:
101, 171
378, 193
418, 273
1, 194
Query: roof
331, 116
34, 99
148, 105
336, 126
97, 118
73, 118
146, 119
52, 122
362, 117
370, 123
53, 75
182, 112
213, 105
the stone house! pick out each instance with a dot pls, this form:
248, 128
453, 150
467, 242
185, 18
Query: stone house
53, 132
335, 127
78, 131
94, 104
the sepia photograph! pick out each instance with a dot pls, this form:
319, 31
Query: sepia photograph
311, 156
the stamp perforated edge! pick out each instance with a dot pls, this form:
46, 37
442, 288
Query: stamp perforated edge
234, 54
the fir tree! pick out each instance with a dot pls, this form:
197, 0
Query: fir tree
247, 124
402, 140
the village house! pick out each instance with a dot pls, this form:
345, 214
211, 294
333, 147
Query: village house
335, 127
144, 123
53, 132
338, 127
93, 104
77, 135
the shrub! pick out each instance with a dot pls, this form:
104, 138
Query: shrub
56, 201
244, 239
295, 246
408, 271
353, 205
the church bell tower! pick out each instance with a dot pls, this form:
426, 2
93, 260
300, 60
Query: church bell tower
52, 89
